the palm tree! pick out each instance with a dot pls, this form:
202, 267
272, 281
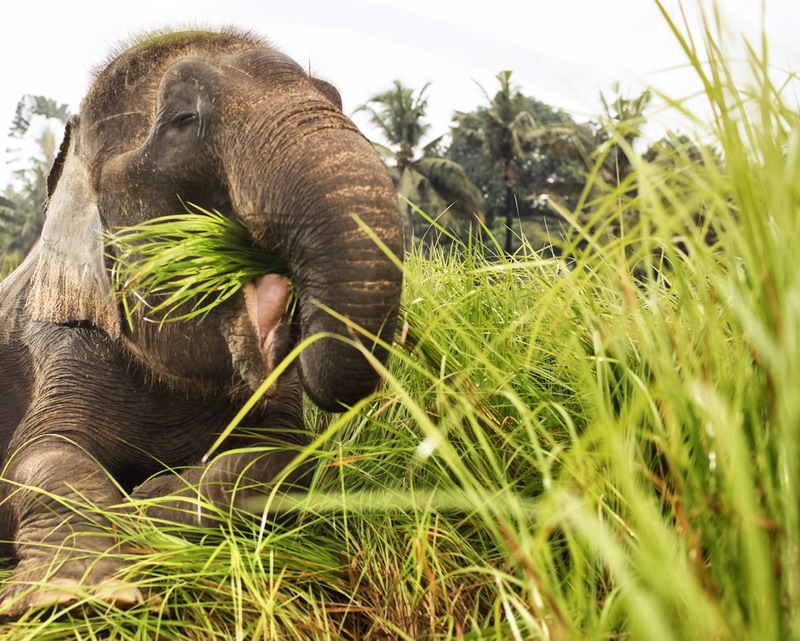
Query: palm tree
31, 106
22, 208
505, 130
434, 184
625, 118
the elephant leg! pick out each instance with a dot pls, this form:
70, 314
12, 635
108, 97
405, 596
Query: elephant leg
234, 483
55, 492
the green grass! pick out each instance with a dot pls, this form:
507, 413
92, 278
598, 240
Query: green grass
609, 451
180, 267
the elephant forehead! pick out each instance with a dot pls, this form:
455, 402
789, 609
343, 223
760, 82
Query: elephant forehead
121, 100
149, 53
264, 63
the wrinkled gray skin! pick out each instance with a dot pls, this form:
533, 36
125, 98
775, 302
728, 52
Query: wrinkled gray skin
225, 121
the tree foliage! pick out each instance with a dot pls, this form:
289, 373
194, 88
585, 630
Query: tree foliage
29, 107
523, 153
505, 131
624, 118
438, 186
22, 204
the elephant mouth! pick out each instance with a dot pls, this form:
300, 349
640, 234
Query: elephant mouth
265, 298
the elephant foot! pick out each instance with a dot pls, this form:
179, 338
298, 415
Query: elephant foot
25, 592
57, 592
118, 594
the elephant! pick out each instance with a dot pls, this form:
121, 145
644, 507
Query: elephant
94, 410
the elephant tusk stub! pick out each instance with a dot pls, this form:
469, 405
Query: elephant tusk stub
266, 299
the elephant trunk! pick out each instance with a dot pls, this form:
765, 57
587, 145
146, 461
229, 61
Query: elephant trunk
313, 207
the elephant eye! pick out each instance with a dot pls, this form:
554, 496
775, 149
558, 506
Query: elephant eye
183, 118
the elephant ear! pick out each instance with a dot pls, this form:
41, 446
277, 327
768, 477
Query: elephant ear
70, 283
329, 91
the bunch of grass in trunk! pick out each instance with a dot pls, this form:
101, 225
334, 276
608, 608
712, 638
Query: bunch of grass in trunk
182, 266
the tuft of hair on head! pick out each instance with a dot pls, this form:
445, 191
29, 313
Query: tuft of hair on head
177, 38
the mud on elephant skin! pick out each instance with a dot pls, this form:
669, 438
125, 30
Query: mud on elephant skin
224, 120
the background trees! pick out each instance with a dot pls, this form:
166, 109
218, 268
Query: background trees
436, 185
22, 204
505, 131
501, 163
523, 154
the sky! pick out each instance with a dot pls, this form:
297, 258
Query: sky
562, 52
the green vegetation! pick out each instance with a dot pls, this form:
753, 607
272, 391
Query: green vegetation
436, 184
22, 205
556, 159
200, 258
504, 131
605, 451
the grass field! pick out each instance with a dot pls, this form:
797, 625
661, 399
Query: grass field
606, 449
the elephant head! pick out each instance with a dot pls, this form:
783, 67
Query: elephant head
228, 122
